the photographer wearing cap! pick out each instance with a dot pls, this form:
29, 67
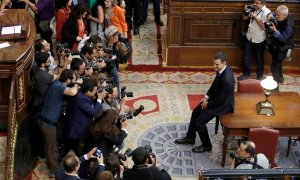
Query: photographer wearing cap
142, 158
246, 157
256, 36
81, 111
282, 34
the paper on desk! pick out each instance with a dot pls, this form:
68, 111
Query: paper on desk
4, 45
11, 30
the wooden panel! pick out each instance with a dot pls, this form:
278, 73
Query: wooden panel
174, 33
207, 31
203, 28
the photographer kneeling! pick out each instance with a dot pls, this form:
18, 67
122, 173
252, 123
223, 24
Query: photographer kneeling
246, 157
142, 158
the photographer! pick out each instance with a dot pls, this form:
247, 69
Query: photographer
81, 111
79, 68
283, 41
51, 113
71, 165
64, 57
106, 133
142, 158
256, 36
246, 157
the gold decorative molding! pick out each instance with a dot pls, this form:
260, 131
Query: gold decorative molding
12, 138
21, 87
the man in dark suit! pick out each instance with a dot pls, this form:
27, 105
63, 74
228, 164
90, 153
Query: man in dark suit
218, 100
72, 164
145, 167
81, 111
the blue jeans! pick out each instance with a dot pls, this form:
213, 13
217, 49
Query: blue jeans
256, 49
113, 72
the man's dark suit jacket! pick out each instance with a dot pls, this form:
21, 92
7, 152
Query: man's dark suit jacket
144, 172
81, 111
61, 174
221, 93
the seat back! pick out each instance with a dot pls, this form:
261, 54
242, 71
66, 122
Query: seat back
249, 86
266, 141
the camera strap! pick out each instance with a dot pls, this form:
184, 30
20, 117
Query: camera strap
254, 164
258, 14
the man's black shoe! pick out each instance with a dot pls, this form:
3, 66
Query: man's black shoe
201, 149
184, 140
159, 23
243, 77
281, 80
136, 31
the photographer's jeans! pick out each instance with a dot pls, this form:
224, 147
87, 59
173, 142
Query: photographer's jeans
113, 72
256, 49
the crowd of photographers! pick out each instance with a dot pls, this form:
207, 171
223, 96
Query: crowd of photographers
78, 105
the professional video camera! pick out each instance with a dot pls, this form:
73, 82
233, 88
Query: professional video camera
63, 47
122, 156
249, 9
237, 158
127, 45
123, 92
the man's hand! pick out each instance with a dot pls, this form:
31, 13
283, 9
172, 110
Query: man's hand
204, 105
273, 27
79, 81
100, 159
2, 12
124, 124
78, 38
91, 153
101, 94
88, 72
101, 64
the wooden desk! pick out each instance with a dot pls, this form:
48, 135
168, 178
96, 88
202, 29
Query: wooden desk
286, 118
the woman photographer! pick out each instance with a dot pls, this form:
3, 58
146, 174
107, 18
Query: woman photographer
106, 133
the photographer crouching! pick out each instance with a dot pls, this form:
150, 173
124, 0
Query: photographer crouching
280, 39
246, 157
145, 166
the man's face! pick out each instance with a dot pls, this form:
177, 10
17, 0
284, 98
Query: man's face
46, 46
258, 4
280, 16
114, 93
81, 69
47, 63
107, 3
219, 65
242, 152
92, 93
92, 56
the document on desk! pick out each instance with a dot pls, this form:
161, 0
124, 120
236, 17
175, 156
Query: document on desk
4, 45
8, 30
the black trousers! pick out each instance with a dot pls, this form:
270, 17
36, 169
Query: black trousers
137, 9
276, 66
198, 123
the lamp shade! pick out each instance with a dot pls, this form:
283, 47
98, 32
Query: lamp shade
269, 83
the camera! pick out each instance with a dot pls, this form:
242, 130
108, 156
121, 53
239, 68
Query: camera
269, 22
130, 115
97, 152
122, 156
117, 33
236, 157
123, 92
63, 47
148, 149
249, 9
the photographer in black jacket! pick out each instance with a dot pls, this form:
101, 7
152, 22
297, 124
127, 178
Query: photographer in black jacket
281, 35
142, 158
